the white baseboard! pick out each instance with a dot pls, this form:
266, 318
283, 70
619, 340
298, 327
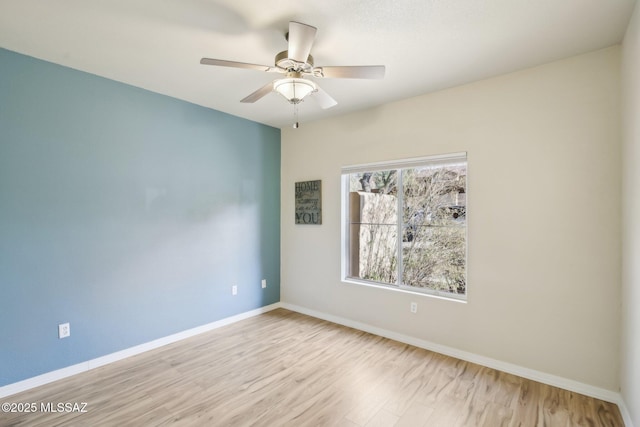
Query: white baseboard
59, 374
553, 380
624, 411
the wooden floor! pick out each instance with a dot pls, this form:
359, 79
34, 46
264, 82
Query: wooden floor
286, 369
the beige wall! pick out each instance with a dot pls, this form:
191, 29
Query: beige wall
630, 366
544, 216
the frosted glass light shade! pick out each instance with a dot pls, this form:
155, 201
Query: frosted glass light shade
293, 89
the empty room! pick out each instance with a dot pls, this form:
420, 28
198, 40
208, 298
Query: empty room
337, 213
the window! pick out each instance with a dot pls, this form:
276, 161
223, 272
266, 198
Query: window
405, 224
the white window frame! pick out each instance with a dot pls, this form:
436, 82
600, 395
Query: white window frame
444, 159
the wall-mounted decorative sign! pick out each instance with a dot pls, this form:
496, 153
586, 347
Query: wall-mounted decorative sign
309, 202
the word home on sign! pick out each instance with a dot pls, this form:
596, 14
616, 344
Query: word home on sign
309, 202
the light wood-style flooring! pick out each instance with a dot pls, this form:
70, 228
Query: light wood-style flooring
287, 369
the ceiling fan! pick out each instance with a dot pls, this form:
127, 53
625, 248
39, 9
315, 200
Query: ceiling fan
296, 64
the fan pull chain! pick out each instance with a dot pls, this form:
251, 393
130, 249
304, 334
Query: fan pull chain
295, 116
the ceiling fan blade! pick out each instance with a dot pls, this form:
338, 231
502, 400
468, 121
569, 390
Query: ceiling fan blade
263, 91
234, 64
301, 38
355, 72
324, 99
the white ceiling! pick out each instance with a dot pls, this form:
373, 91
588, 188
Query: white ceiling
426, 45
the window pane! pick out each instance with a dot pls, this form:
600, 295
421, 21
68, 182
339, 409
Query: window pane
375, 258
435, 259
373, 226
434, 228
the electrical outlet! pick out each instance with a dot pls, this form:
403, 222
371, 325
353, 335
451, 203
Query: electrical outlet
234, 290
264, 283
64, 330
414, 307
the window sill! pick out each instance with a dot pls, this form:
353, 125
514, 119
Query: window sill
431, 294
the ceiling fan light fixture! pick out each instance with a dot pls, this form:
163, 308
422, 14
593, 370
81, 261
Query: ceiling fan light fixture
294, 90
296, 63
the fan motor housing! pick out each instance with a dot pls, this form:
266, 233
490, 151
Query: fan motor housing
285, 63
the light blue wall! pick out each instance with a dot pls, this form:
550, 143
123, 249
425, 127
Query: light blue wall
126, 213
